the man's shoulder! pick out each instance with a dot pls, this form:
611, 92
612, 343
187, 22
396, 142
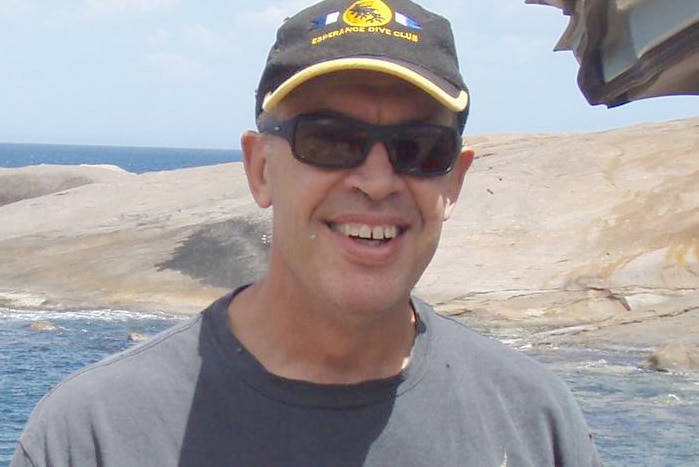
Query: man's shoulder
176, 347
113, 397
137, 365
490, 372
490, 358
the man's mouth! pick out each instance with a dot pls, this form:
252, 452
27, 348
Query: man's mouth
373, 235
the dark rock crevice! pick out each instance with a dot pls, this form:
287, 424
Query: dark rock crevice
225, 254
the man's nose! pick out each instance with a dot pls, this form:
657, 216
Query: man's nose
375, 177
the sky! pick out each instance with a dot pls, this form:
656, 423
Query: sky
182, 73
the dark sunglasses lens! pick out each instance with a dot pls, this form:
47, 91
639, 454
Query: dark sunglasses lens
329, 142
424, 151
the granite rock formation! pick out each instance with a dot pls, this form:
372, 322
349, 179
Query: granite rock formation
557, 238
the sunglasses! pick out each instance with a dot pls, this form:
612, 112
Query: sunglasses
337, 142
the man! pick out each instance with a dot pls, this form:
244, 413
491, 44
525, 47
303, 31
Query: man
327, 360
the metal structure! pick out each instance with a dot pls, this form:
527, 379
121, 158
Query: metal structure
632, 49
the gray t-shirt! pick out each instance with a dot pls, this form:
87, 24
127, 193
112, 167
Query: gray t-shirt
193, 396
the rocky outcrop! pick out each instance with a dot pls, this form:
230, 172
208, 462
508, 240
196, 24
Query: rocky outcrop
557, 238
144, 242
43, 326
679, 356
41, 180
593, 236
136, 337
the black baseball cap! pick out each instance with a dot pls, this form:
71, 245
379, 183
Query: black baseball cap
396, 37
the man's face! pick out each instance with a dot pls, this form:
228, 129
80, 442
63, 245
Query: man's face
353, 239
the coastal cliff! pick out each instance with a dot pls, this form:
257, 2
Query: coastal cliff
589, 238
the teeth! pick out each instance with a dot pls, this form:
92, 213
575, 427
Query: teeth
368, 232
364, 231
390, 231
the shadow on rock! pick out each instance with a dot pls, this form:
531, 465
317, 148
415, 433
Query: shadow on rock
226, 254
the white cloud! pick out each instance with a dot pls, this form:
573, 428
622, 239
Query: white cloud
110, 7
15, 8
176, 67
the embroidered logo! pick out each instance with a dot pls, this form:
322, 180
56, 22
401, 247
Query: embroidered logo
366, 13
367, 17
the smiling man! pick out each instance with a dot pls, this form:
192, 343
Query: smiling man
328, 360
362, 169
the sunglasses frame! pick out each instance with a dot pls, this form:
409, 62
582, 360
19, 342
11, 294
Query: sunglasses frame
376, 134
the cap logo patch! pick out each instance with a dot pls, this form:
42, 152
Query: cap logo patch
367, 17
366, 13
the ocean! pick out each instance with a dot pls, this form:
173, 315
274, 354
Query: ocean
638, 418
131, 159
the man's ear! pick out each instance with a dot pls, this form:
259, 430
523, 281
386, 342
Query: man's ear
456, 179
255, 161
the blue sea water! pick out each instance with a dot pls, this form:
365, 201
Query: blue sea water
131, 159
32, 362
639, 418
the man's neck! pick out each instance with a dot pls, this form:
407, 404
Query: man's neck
297, 341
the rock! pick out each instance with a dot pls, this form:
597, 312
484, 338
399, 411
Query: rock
674, 357
43, 326
136, 337
41, 180
147, 225
590, 233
